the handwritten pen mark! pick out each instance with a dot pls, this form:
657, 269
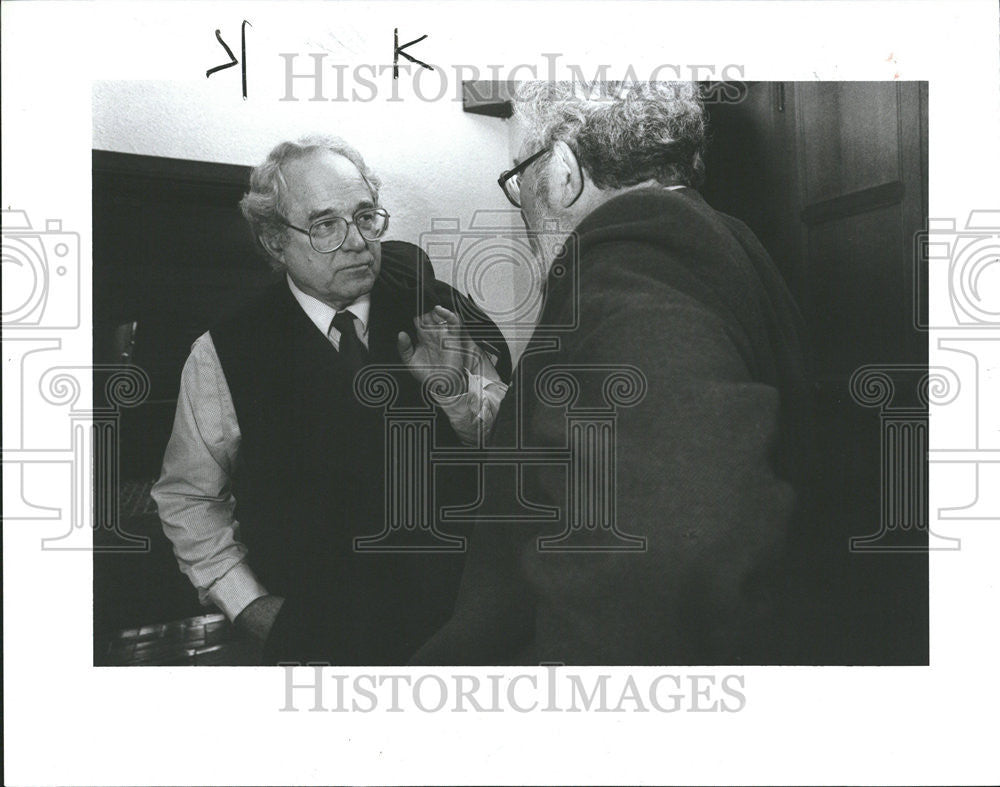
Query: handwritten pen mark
232, 58
397, 50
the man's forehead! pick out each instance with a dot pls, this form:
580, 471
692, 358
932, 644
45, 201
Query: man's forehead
324, 179
323, 167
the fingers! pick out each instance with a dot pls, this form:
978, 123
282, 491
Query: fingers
433, 329
405, 347
439, 316
449, 317
440, 338
428, 332
455, 330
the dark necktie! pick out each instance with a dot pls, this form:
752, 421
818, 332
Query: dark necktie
351, 349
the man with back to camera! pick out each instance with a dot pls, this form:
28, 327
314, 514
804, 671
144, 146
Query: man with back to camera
709, 465
274, 466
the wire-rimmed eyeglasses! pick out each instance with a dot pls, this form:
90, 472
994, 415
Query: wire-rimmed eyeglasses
328, 234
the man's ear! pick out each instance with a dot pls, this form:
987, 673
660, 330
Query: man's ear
272, 246
566, 181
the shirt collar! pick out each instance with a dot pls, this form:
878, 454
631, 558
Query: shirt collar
321, 314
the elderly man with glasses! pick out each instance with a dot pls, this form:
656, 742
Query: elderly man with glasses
275, 467
683, 559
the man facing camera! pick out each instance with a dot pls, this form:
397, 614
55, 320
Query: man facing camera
275, 467
680, 560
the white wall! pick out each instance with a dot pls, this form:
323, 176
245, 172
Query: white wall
436, 161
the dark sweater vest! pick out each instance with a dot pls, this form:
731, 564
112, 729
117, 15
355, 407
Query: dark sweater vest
311, 479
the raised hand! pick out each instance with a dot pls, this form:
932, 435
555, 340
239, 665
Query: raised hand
441, 350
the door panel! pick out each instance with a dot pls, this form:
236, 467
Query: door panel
849, 134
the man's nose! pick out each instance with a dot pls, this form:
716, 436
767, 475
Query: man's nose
353, 241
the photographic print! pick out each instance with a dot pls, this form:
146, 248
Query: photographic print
388, 376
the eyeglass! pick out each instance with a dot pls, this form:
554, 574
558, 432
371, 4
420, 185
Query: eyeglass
510, 181
329, 233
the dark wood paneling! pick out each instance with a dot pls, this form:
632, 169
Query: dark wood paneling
850, 136
173, 253
861, 196
833, 178
854, 203
858, 309
861, 186
750, 163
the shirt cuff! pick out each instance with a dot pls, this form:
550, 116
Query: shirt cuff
446, 401
235, 590
477, 384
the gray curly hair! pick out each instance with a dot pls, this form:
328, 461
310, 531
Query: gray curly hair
623, 133
264, 205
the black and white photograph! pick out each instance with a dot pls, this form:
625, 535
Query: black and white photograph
419, 370
685, 458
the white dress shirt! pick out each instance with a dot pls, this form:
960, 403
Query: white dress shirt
322, 314
194, 493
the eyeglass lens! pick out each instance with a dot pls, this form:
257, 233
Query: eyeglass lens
513, 185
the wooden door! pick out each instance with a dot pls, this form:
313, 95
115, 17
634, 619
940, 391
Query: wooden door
832, 176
